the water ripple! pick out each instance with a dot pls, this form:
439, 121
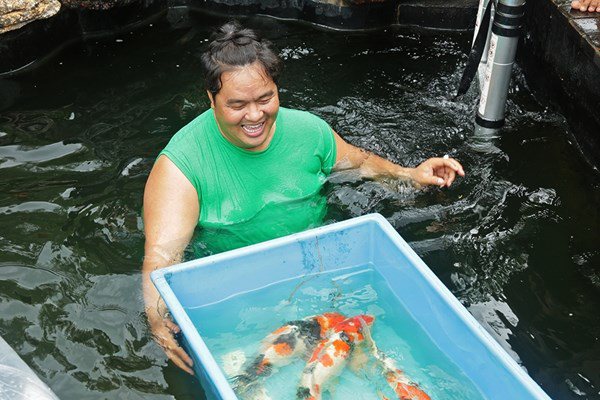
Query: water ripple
12, 156
31, 207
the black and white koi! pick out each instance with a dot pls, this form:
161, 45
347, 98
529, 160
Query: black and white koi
279, 348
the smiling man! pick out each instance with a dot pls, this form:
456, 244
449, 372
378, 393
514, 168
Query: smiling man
247, 170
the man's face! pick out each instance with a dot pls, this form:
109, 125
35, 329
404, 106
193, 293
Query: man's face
246, 107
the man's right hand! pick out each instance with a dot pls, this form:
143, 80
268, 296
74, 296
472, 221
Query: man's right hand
163, 330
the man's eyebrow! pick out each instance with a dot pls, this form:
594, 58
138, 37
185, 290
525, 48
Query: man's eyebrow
270, 93
236, 101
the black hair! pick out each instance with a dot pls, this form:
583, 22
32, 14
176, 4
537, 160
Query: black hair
233, 46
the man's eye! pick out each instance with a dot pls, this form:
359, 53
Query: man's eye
265, 101
237, 107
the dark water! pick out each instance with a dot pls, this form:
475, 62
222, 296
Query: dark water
517, 240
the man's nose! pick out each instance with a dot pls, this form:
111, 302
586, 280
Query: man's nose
254, 113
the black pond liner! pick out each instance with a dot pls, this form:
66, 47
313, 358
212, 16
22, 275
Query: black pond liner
38, 40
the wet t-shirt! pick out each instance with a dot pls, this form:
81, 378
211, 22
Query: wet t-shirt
248, 197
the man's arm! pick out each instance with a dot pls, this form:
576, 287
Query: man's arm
171, 213
434, 171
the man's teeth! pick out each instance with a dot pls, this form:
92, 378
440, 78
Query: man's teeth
252, 128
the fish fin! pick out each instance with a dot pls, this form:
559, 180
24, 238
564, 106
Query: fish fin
233, 362
359, 359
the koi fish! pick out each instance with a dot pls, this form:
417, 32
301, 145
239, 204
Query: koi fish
404, 388
331, 355
330, 339
294, 339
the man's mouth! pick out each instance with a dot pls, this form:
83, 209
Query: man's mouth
253, 130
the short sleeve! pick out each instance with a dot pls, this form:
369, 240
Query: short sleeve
328, 148
180, 151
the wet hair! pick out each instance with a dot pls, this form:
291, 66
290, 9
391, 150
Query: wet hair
233, 46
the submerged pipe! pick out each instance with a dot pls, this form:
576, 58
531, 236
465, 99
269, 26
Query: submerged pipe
502, 47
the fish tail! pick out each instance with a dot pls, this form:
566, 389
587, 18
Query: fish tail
258, 369
305, 393
398, 381
261, 366
405, 390
244, 383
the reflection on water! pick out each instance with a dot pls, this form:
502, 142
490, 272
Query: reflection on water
516, 240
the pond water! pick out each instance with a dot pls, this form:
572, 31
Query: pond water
517, 240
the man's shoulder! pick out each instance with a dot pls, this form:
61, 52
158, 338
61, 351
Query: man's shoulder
294, 112
201, 122
297, 117
191, 136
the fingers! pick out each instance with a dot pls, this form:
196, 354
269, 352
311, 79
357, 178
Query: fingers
446, 169
451, 175
581, 5
163, 336
173, 327
447, 175
454, 165
431, 180
181, 359
182, 365
437, 171
176, 354
586, 5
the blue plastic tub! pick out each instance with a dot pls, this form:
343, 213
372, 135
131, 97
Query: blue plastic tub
365, 240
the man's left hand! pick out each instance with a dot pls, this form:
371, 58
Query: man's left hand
436, 171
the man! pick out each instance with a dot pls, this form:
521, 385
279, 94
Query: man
247, 170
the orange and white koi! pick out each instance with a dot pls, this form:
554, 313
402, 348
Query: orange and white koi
331, 339
331, 355
404, 388
294, 339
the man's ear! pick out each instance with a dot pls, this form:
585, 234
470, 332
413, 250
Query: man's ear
211, 98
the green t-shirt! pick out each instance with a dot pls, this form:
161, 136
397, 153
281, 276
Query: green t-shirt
248, 197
